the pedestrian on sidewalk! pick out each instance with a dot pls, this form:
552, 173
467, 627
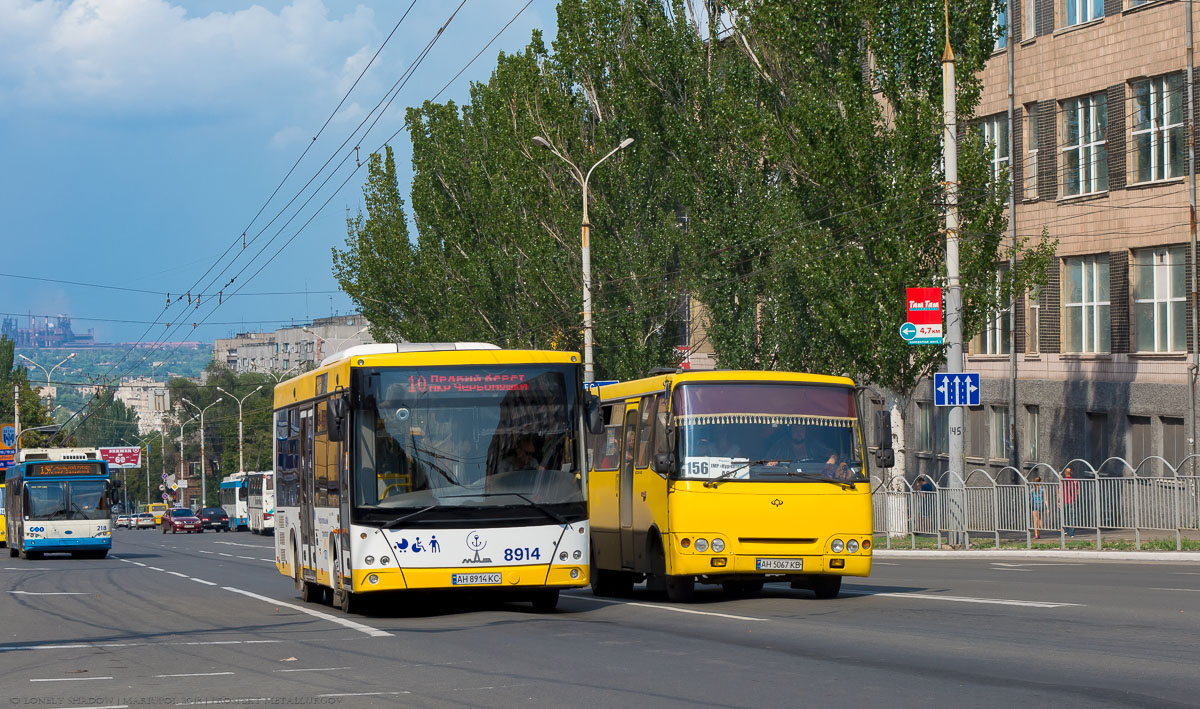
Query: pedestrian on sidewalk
1037, 505
1070, 495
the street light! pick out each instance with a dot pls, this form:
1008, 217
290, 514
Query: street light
49, 399
277, 374
241, 460
589, 373
203, 476
317, 340
361, 330
181, 425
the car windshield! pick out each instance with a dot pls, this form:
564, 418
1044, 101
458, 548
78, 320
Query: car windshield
477, 438
67, 499
767, 432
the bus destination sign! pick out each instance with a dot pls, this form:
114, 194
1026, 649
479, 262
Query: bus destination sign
56, 468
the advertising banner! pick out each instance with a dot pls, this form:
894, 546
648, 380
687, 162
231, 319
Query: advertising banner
122, 457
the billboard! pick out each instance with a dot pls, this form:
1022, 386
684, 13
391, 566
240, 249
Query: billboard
924, 324
122, 456
8, 446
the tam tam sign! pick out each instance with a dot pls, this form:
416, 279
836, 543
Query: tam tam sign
924, 323
122, 457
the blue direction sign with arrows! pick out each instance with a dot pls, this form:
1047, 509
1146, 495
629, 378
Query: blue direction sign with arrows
960, 389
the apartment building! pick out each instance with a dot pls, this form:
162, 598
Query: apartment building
1099, 157
292, 348
150, 400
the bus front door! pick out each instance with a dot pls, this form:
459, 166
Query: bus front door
307, 496
625, 487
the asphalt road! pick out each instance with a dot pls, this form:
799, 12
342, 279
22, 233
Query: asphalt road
206, 619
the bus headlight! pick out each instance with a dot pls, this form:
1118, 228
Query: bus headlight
373, 579
577, 555
852, 546
369, 559
701, 544
837, 546
562, 556
718, 545
384, 560
574, 573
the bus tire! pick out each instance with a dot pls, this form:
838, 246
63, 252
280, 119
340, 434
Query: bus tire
347, 601
606, 582
546, 600
826, 587
681, 589
12, 550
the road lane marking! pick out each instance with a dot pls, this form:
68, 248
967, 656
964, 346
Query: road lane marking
373, 632
250, 546
248, 557
967, 599
198, 674
269, 561
139, 563
28, 568
155, 568
206, 583
362, 694
76, 646
666, 608
885, 563
1189, 590
314, 669
1015, 565
176, 573
68, 679
205, 551
224, 554
51, 593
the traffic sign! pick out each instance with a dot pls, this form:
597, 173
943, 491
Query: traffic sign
166, 496
596, 385
960, 389
921, 334
164, 476
162, 487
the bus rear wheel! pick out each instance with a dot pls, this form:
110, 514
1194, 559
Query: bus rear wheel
606, 582
12, 550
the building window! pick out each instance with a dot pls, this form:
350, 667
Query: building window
976, 432
1075, 12
1029, 19
1031, 434
1001, 24
1085, 152
1174, 442
995, 135
1031, 151
925, 432
1158, 138
1033, 311
996, 336
1000, 437
1141, 444
1159, 300
1086, 305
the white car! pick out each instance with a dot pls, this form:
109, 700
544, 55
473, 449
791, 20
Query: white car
123, 521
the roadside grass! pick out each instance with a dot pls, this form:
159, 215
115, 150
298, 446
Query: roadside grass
1052, 543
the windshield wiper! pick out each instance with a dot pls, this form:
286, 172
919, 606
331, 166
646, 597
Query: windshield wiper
736, 468
539, 506
844, 484
396, 522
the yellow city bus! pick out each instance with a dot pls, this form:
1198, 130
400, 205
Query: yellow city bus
732, 478
431, 465
158, 509
3, 530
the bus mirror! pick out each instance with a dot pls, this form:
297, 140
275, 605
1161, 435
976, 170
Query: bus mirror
592, 414
885, 457
883, 429
337, 418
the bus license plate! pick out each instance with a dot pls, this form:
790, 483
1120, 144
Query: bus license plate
779, 564
474, 579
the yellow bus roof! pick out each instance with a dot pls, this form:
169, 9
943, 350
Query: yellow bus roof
638, 387
304, 386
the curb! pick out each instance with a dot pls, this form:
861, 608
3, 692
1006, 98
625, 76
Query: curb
1175, 556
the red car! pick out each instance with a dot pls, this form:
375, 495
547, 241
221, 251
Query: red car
181, 519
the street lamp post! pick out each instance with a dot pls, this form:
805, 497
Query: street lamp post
181, 425
338, 347
278, 375
241, 459
589, 373
48, 372
203, 475
317, 340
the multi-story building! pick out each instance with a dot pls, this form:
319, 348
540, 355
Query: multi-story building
1099, 159
294, 347
149, 399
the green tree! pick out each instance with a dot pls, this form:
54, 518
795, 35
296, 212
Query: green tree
33, 412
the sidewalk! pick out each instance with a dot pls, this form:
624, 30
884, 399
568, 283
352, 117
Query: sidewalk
1181, 557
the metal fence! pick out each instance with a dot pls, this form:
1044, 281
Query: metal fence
1042, 503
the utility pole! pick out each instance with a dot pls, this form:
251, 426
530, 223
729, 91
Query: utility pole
1191, 161
1013, 457
203, 475
954, 356
17, 416
241, 458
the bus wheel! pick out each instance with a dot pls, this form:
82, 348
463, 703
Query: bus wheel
545, 601
826, 587
606, 582
742, 588
681, 589
347, 601
12, 550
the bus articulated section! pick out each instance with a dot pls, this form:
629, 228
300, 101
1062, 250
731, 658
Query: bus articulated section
235, 500
432, 466
730, 478
58, 500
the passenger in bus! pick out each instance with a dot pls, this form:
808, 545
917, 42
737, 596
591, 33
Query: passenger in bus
521, 457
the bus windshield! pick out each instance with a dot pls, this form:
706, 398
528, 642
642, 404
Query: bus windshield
469, 438
767, 432
62, 499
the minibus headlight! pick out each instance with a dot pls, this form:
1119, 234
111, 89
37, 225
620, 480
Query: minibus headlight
837, 546
718, 545
701, 544
852, 546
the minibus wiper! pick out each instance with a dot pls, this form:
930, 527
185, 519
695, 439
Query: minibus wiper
736, 468
844, 484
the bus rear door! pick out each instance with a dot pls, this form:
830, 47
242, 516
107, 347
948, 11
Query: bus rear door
307, 495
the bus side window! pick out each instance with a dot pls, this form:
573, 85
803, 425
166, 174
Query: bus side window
645, 418
661, 443
608, 453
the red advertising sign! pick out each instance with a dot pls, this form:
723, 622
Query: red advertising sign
925, 306
122, 457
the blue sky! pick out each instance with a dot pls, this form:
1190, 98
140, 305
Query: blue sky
138, 138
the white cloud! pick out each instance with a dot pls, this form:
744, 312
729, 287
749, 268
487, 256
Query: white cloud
150, 57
